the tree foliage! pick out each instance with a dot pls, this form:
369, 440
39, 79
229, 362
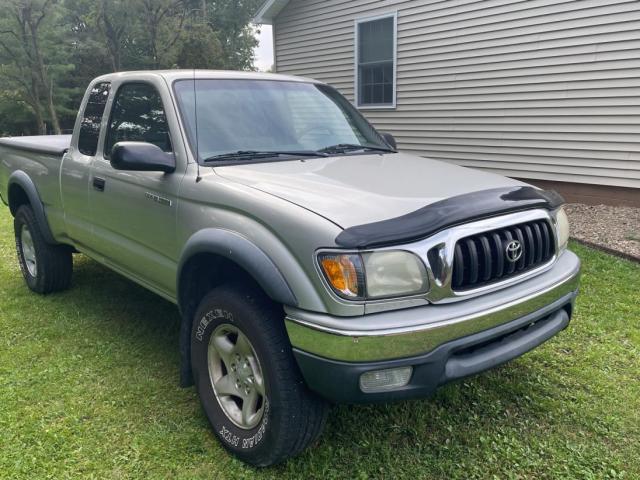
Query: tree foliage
51, 49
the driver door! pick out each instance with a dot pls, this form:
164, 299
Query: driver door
134, 213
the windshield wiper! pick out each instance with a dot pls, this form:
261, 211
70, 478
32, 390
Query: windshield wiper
347, 147
256, 154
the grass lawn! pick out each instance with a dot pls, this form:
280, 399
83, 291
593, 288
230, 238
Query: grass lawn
89, 389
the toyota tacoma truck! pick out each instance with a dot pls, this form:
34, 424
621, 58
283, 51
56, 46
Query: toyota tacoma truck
311, 261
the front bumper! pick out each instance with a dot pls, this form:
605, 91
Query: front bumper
441, 342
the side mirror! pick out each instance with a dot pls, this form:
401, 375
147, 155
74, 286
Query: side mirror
141, 157
391, 141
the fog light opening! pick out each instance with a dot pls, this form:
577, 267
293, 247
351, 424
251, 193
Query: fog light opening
384, 380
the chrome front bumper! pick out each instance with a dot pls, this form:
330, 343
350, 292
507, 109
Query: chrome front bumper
415, 331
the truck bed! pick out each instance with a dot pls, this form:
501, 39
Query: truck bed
50, 144
40, 158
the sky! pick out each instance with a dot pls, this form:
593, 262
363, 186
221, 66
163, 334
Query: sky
264, 51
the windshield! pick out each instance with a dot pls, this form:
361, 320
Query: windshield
251, 116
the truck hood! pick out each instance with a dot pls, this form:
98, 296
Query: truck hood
358, 189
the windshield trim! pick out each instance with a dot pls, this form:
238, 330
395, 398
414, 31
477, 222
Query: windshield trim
200, 160
229, 163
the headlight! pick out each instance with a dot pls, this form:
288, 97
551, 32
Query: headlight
374, 275
394, 274
562, 228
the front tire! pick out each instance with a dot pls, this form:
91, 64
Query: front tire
45, 268
249, 384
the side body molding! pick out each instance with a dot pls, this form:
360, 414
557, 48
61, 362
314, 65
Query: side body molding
247, 255
24, 181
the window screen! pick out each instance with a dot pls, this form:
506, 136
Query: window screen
376, 51
138, 116
90, 125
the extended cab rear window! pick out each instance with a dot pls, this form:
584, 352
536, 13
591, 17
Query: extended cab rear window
90, 125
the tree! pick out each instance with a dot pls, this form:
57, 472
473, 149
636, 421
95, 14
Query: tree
200, 48
15, 114
231, 20
113, 19
87, 47
164, 21
21, 40
51, 49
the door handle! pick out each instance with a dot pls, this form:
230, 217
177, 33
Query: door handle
98, 183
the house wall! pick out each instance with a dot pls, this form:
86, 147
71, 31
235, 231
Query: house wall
537, 89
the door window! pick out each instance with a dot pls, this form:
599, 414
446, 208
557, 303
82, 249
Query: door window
92, 118
138, 116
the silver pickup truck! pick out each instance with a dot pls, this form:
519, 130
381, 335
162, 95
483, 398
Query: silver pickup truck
311, 261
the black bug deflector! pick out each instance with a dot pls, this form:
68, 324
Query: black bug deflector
447, 213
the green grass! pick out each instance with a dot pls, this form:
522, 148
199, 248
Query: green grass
89, 389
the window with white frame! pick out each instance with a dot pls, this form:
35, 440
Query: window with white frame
376, 61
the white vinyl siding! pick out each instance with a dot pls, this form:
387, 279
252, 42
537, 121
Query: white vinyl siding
540, 89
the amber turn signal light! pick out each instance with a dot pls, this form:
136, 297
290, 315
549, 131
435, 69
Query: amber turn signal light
344, 273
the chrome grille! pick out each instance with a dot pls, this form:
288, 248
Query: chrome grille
488, 257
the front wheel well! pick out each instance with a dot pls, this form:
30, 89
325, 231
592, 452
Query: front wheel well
205, 271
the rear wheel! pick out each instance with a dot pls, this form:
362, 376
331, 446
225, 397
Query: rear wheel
249, 383
45, 268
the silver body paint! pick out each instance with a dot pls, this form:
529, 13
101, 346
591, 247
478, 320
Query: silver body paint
142, 221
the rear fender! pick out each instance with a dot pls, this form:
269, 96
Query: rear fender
20, 179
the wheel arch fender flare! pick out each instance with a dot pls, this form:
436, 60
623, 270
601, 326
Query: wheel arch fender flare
20, 179
245, 254
239, 250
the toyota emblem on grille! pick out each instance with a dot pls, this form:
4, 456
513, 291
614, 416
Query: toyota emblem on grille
513, 251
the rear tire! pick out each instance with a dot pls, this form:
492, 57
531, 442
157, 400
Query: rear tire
45, 268
238, 338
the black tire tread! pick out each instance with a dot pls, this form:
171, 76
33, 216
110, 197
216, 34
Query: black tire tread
55, 262
307, 411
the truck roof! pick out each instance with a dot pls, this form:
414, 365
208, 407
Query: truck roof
172, 75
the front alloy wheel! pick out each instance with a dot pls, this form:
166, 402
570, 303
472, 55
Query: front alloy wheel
236, 376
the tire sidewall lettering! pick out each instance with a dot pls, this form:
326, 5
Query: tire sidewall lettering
246, 443
227, 432
209, 317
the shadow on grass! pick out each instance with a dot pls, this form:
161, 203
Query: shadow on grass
122, 304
